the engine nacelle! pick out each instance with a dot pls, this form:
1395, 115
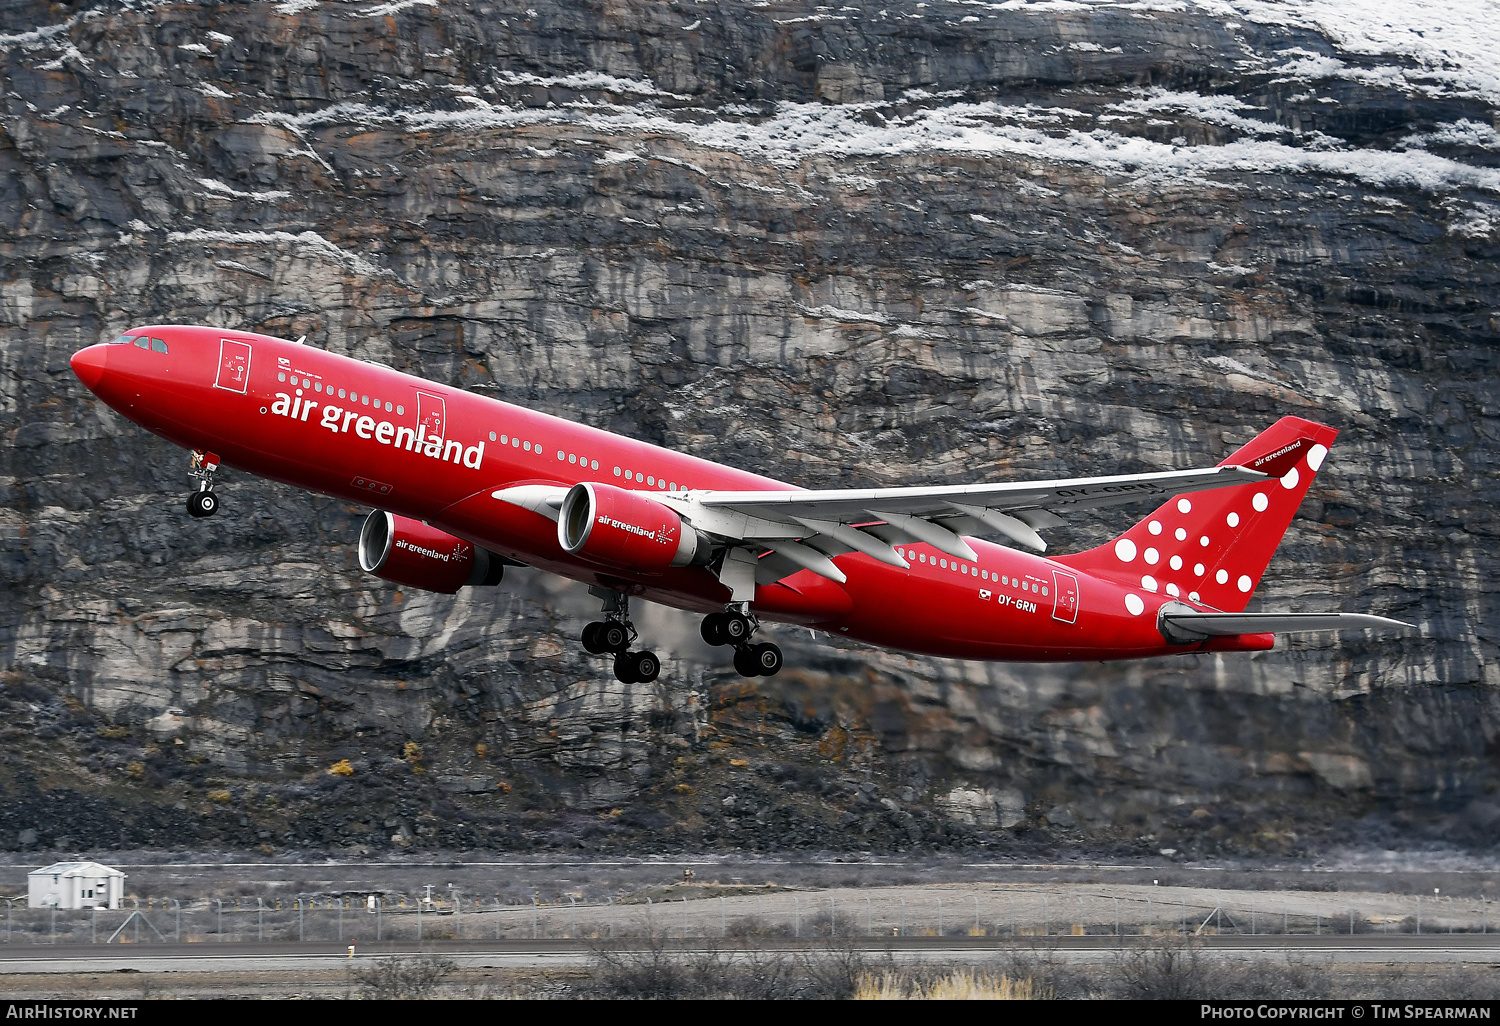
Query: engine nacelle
624, 529
409, 552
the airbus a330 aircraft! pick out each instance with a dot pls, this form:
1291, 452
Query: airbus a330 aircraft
464, 485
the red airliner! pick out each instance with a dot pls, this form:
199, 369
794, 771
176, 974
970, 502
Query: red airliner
463, 485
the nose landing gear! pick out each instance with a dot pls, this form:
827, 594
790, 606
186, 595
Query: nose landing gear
615, 633
735, 627
203, 502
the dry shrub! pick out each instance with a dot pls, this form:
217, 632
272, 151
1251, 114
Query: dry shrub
398, 977
959, 985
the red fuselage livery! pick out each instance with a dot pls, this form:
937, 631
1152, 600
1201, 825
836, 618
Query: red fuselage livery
465, 470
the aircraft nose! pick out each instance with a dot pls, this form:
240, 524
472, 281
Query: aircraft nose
88, 364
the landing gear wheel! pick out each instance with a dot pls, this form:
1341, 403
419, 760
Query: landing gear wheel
712, 629
612, 637
737, 628
767, 659
202, 504
745, 663
624, 668
645, 666
591, 643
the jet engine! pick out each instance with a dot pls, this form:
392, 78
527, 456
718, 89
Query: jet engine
625, 529
409, 552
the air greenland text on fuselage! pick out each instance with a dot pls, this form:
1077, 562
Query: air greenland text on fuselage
338, 420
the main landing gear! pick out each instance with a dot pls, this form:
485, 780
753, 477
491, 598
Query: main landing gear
615, 633
204, 502
735, 627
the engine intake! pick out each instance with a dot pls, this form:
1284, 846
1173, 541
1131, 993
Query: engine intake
624, 529
406, 551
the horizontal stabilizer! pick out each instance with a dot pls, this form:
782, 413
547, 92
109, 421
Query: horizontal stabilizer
1183, 623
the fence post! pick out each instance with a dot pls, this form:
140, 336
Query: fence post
221, 919
260, 921
833, 918
533, 915
684, 917
903, 917
94, 925
723, 923
869, 917
1419, 915
976, 916
612, 917
940, 917
379, 911
54, 925
419, 917
797, 913
573, 910
1351, 922
1117, 917
300, 933
1013, 934
1046, 918
178, 913
341, 920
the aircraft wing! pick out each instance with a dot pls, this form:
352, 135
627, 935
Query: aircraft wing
871, 519
1221, 624
791, 529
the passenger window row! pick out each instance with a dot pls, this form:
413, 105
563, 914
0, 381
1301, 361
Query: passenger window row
350, 394
912, 555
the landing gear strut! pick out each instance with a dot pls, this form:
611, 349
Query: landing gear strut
204, 502
735, 627
615, 633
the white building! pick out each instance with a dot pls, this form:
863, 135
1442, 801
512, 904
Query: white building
74, 885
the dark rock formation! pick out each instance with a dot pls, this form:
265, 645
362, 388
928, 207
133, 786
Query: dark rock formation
866, 244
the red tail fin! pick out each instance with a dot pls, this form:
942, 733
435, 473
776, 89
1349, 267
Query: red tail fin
1212, 547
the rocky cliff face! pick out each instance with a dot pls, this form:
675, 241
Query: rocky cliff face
866, 244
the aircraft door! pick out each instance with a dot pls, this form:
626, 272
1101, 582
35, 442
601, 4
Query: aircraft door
432, 414
234, 366
1064, 597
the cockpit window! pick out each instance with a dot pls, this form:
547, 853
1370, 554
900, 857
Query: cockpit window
143, 343
122, 340
158, 345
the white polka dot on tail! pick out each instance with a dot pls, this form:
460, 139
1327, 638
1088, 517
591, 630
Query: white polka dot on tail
1135, 605
1198, 569
1175, 562
1245, 583
1315, 457
1172, 590
1125, 549
1182, 534
1194, 596
1222, 576
1148, 582
1233, 520
1151, 556
1290, 479
1183, 506
1260, 502
1154, 527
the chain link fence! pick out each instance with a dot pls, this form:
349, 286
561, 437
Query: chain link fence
997, 911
